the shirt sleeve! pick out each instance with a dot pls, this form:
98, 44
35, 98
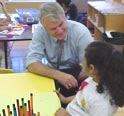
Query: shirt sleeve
36, 47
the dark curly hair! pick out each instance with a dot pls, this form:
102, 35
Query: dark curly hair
110, 66
72, 12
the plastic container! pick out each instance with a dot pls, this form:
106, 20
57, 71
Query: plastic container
116, 39
28, 15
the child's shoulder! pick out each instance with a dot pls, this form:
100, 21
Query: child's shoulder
87, 84
91, 84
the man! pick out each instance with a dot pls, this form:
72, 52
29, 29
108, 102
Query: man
55, 29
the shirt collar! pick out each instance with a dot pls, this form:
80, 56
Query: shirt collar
56, 40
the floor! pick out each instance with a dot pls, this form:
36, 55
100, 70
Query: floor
17, 56
17, 53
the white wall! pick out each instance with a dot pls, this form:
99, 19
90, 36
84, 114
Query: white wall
82, 4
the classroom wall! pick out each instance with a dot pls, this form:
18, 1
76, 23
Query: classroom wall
82, 4
13, 4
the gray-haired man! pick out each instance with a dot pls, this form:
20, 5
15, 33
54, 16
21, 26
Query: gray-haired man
74, 37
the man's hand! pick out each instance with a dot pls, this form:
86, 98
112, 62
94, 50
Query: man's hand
67, 80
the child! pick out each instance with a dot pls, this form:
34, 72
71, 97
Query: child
103, 91
70, 9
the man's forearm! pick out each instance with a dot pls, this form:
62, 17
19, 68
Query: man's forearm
41, 69
63, 78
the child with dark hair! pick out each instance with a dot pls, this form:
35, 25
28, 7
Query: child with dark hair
69, 8
103, 91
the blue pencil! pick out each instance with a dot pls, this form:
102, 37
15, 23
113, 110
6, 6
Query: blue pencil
14, 110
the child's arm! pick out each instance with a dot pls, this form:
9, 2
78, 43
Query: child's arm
3, 23
69, 99
8, 18
64, 100
61, 112
3, 28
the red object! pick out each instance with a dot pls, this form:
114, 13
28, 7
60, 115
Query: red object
83, 84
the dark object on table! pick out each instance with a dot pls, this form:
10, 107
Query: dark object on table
114, 37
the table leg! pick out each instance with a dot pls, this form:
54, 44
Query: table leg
5, 54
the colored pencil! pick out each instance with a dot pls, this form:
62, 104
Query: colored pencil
8, 109
4, 113
14, 110
31, 103
18, 107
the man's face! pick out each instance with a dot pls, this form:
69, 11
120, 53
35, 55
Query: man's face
57, 28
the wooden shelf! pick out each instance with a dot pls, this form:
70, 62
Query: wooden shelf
105, 16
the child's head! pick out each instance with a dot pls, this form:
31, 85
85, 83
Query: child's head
64, 2
69, 8
109, 64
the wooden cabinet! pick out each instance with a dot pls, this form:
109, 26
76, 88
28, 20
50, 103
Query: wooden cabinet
105, 16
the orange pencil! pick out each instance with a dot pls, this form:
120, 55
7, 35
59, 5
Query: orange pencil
38, 113
29, 109
31, 103
21, 112
8, 109
25, 109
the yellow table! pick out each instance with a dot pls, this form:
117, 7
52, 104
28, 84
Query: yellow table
20, 85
